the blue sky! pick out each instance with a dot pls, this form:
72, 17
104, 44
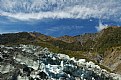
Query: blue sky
58, 17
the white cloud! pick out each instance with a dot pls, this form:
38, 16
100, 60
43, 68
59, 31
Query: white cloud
39, 9
101, 26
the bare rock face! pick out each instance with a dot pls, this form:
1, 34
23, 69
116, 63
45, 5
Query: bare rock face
28, 62
112, 59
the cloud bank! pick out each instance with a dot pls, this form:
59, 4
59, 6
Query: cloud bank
40, 9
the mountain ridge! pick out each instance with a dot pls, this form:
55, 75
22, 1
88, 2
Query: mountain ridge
96, 46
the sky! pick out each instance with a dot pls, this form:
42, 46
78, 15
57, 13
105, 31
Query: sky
59, 17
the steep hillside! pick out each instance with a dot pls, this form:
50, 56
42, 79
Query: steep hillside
110, 37
103, 47
100, 47
112, 59
98, 42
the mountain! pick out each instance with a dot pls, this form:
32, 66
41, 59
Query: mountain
106, 43
102, 47
79, 38
106, 38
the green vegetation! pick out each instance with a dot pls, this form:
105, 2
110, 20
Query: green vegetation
97, 43
107, 38
111, 37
